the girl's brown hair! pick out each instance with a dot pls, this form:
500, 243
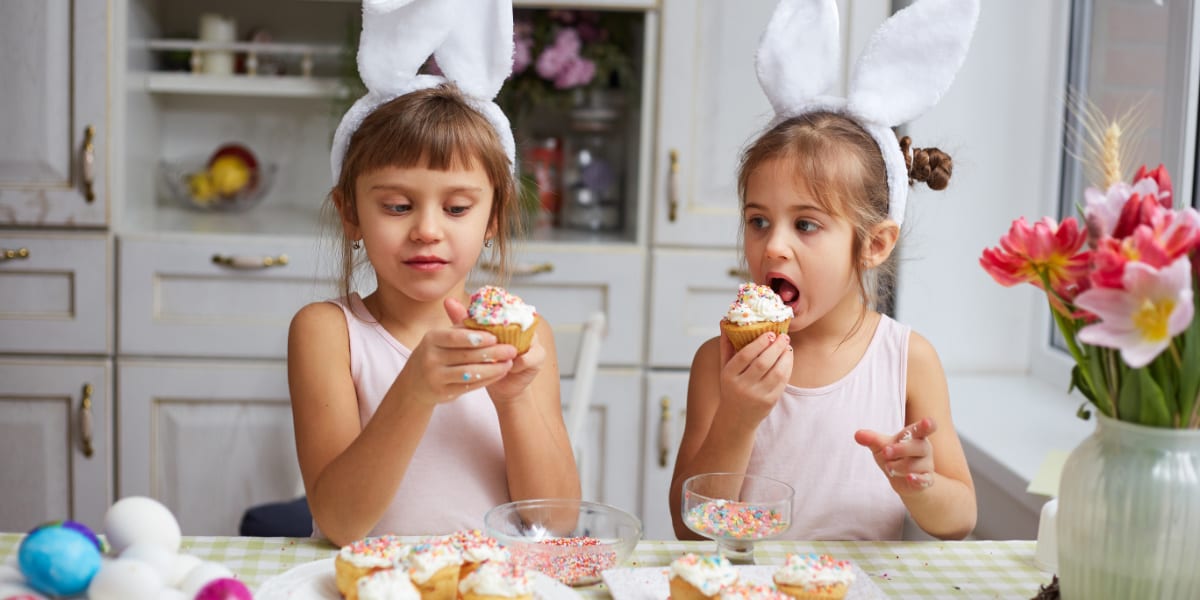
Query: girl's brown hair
843, 169
435, 128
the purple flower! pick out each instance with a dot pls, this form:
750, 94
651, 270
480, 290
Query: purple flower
559, 55
578, 71
522, 54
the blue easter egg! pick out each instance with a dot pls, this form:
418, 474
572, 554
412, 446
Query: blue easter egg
59, 561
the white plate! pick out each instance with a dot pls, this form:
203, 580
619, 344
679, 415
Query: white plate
650, 583
316, 581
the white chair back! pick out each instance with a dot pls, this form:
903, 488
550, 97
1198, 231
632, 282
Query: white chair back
587, 359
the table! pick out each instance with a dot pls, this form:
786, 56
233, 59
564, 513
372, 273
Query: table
901, 569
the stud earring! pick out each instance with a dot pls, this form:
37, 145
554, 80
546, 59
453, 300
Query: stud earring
487, 243
356, 244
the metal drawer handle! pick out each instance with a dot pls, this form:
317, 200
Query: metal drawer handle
673, 186
10, 254
250, 262
533, 269
741, 274
664, 432
85, 421
89, 164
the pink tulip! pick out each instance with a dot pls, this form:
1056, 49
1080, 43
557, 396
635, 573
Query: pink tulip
1162, 182
1027, 252
1140, 320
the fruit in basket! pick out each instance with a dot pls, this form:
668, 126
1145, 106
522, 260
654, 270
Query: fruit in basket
233, 169
200, 186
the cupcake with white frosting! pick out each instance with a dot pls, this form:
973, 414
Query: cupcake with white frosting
495, 579
695, 577
814, 577
757, 310
393, 584
504, 315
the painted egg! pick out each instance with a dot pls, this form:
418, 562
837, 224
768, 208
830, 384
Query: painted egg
125, 579
225, 588
138, 519
159, 558
200, 576
58, 560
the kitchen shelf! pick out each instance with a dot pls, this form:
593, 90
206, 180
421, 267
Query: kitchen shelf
277, 86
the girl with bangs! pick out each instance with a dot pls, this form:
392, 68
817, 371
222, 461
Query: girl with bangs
392, 439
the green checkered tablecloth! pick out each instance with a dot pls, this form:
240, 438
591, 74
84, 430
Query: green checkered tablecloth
900, 569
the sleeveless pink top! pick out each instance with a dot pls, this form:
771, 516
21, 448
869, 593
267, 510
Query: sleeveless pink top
457, 472
808, 441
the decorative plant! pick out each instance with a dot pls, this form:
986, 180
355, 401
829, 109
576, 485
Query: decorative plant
1122, 290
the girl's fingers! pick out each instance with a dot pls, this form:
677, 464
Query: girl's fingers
765, 359
460, 338
475, 375
743, 359
466, 357
909, 449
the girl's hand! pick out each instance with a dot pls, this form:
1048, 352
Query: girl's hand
906, 457
753, 378
450, 362
521, 369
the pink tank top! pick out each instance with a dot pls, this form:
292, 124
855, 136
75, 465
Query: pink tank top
457, 472
808, 441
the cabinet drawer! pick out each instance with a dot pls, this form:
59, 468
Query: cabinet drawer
566, 285
177, 298
54, 293
690, 293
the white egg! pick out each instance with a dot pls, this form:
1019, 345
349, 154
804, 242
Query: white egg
198, 577
161, 559
137, 519
125, 579
184, 563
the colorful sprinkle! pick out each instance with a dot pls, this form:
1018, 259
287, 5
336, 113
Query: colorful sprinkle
492, 305
737, 520
573, 561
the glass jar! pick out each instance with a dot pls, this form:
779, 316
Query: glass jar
594, 170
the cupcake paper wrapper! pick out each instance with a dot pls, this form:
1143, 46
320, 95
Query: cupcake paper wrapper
508, 334
740, 335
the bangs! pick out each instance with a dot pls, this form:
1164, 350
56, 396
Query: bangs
439, 134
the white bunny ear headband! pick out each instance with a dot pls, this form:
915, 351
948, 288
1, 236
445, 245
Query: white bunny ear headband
472, 41
907, 65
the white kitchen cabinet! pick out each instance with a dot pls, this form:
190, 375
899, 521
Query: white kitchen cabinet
691, 291
608, 460
207, 439
216, 296
55, 454
662, 427
54, 67
55, 293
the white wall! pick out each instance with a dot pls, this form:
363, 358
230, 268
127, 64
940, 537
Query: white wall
1000, 122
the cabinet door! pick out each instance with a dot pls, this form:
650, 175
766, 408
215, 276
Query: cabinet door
709, 106
52, 466
665, 411
54, 159
691, 291
607, 454
215, 296
55, 294
568, 284
208, 440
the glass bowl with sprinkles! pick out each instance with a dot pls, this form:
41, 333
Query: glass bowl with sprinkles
736, 510
572, 541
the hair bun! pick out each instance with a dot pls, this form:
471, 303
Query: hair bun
928, 165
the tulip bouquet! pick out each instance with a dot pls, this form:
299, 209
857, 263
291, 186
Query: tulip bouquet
1123, 292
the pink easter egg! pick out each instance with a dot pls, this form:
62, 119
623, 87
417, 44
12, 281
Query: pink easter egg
225, 588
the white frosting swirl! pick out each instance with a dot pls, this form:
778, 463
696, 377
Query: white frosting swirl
427, 559
814, 571
709, 574
755, 304
375, 553
492, 578
392, 584
491, 305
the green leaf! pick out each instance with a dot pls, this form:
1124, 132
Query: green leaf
1164, 373
1141, 400
1079, 382
1097, 375
1189, 372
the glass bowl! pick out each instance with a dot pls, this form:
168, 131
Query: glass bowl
572, 541
194, 184
736, 510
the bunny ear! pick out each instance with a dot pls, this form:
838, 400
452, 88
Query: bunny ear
478, 54
398, 36
911, 60
799, 53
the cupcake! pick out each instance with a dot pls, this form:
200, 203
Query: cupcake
752, 592
364, 557
433, 566
695, 577
393, 584
756, 311
814, 577
497, 580
476, 549
504, 315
